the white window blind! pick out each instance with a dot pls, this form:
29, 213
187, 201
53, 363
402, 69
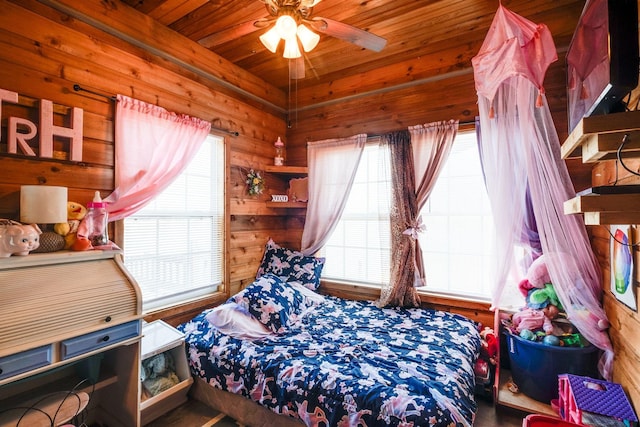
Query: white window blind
174, 246
358, 249
458, 240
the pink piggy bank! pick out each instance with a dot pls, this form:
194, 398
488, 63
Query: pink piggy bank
18, 239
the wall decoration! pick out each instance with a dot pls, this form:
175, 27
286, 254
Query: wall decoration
20, 131
622, 269
255, 182
299, 189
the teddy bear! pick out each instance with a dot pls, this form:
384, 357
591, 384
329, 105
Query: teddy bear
75, 213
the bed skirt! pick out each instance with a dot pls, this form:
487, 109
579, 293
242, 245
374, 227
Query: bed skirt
238, 407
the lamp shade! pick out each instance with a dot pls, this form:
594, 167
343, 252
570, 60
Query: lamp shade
270, 39
42, 204
286, 27
308, 38
291, 49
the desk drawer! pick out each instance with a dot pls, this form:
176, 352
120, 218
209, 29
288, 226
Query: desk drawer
95, 340
24, 361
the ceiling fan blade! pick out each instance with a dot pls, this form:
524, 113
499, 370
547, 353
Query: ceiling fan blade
349, 33
234, 32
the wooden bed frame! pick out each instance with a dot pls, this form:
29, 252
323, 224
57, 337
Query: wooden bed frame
240, 408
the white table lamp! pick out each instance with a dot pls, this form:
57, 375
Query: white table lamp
44, 205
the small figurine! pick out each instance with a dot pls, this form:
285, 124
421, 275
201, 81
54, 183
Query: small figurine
18, 239
489, 345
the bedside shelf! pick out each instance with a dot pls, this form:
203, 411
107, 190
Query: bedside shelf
519, 401
161, 338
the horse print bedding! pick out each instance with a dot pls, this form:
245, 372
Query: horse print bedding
334, 362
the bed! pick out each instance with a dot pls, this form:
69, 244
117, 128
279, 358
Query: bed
320, 360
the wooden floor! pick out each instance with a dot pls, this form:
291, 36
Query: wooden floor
196, 414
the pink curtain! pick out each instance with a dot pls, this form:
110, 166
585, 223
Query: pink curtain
520, 151
332, 167
152, 147
431, 144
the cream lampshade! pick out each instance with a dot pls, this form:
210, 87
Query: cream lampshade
44, 205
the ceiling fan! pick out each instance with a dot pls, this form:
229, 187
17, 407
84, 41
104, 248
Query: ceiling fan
291, 21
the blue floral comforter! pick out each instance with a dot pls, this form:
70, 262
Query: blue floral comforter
349, 363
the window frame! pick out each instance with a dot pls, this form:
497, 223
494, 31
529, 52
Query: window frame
366, 288
185, 310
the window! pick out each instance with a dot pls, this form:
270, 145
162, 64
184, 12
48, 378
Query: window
174, 246
459, 231
358, 250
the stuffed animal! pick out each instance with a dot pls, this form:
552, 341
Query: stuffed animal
75, 213
537, 276
541, 298
489, 345
533, 319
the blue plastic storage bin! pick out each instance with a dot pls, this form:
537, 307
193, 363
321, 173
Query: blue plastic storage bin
535, 366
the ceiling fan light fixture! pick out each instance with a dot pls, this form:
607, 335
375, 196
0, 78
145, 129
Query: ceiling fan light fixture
271, 39
291, 49
286, 27
308, 38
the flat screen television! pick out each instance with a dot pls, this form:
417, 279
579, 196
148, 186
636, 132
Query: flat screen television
602, 59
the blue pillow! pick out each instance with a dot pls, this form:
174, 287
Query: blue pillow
291, 266
272, 302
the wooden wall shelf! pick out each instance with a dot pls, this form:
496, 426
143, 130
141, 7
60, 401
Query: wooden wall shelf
288, 170
598, 137
600, 209
287, 205
595, 139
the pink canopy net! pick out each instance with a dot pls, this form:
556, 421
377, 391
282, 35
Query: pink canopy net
527, 180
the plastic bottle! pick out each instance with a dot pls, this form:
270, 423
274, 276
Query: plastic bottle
278, 160
97, 220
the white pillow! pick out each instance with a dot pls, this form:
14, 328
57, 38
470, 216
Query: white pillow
233, 320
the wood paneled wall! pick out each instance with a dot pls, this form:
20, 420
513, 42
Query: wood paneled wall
44, 52
625, 323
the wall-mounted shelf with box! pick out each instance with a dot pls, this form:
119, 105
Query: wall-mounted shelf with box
289, 173
161, 339
292, 171
598, 138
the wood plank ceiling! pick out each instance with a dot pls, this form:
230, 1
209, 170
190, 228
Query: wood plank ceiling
425, 39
